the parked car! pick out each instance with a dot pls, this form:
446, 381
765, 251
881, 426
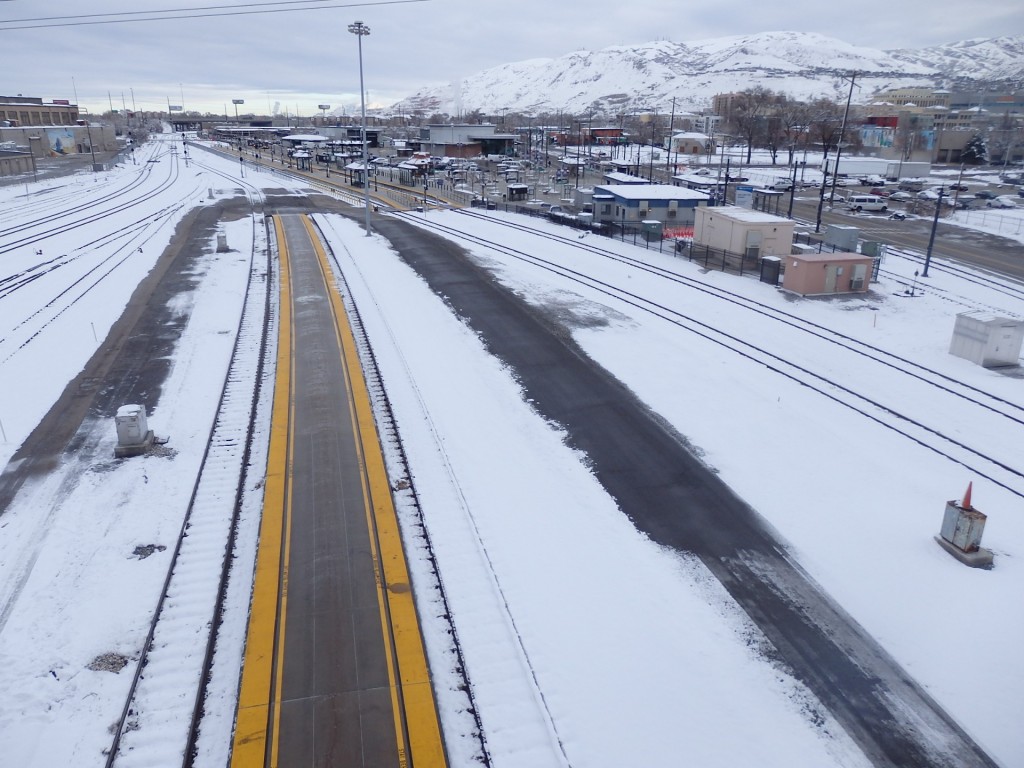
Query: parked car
1003, 201
967, 201
984, 194
872, 181
1020, 191
781, 185
912, 185
901, 196
928, 194
880, 192
958, 187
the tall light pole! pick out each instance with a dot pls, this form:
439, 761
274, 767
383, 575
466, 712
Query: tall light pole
236, 102
360, 30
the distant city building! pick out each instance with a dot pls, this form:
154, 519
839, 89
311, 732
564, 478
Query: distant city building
465, 140
16, 111
917, 97
691, 143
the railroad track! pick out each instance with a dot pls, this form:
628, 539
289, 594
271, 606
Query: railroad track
31, 232
921, 419
161, 721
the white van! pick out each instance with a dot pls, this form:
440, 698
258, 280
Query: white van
866, 203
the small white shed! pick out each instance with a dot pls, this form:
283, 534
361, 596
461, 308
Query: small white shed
986, 339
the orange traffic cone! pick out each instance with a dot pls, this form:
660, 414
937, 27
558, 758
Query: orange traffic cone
966, 503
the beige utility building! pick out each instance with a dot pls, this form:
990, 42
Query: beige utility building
751, 233
822, 274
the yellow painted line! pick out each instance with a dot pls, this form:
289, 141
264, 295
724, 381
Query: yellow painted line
287, 546
426, 747
249, 748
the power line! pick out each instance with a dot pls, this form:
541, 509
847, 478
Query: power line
163, 10
186, 13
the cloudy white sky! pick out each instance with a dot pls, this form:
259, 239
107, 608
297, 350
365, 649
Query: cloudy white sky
298, 53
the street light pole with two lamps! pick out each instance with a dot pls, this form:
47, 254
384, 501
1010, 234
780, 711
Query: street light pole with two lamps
236, 102
360, 30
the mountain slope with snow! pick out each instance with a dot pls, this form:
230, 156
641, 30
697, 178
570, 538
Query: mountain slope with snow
619, 79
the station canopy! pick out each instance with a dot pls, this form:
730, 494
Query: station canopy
304, 137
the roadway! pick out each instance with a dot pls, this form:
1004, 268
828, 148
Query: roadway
965, 246
335, 672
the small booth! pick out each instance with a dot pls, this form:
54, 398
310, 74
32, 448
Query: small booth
767, 200
357, 173
303, 160
518, 192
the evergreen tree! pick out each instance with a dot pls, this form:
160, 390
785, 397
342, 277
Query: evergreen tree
974, 151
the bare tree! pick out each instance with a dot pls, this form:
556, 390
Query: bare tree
795, 124
1005, 135
826, 118
777, 127
747, 116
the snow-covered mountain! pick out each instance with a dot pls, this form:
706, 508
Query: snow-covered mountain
804, 65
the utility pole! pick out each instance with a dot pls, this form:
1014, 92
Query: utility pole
931, 238
654, 130
671, 130
792, 192
842, 130
821, 192
956, 190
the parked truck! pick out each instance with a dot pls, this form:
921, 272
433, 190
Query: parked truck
863, 167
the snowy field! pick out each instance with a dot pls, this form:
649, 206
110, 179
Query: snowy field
586, 644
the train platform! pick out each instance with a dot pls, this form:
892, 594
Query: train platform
335, 671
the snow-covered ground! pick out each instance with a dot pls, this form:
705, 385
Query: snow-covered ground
586, 644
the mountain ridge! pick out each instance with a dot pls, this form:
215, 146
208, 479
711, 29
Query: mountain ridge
805, 65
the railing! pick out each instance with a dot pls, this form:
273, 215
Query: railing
715, 258
989, 221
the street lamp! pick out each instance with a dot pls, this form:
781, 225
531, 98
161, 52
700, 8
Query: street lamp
360, 30
236, 102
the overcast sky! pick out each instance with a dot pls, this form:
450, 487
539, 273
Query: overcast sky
305, 56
